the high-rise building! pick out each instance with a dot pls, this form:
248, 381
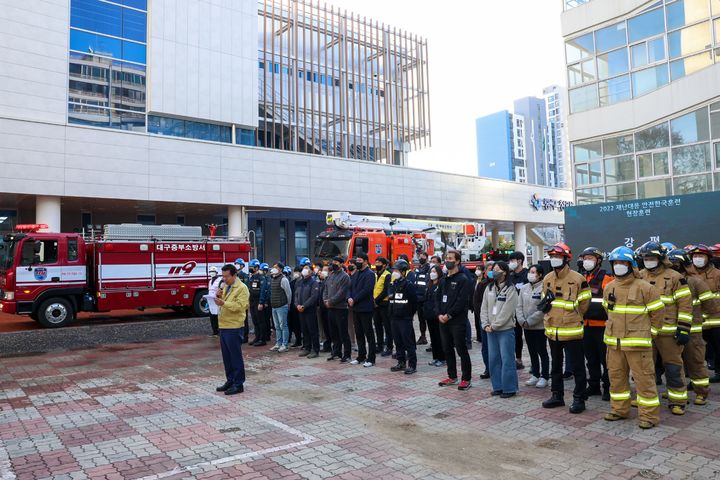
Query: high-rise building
644, 109
558, 157
537, 167
501, 146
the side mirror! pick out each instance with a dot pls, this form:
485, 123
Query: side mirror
37, 246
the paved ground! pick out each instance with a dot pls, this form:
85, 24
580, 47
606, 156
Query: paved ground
150, 411
19, 323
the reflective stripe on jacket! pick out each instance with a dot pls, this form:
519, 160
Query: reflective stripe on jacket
572, 294
675, 295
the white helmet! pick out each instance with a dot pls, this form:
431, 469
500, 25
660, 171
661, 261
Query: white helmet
213, 270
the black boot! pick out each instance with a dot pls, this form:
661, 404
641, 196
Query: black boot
398, 368
593, 390
578, 405
606, 394
555, 401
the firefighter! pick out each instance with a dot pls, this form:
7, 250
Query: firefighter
255, 285
566, 298
422, 279
403, 302
240, 266
673, 334
704, 303
633, 307
703, 268
595, 318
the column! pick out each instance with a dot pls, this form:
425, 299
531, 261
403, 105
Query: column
237, 221
520, 238
47, 211
495, 237
537, 251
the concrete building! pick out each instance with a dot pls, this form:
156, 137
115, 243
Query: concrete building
557, 150
501, 146
538, 167
212, 111
644, 109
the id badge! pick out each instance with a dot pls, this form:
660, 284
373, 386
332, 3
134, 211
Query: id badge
444, 299
495, 309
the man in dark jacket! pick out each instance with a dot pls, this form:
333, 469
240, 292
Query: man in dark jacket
335, 296
362, 284
255, 284
306, 299
323, 318
518, 277
453, 295
293, 315
422, 278
403, 303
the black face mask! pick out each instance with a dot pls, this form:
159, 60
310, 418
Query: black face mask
379, 268
449, 265
359, 265
334, 267
252, 270
352, 268
423, 260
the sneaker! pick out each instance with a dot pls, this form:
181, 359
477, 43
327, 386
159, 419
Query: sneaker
541, 383
447, 382
464, 385
304, 353
275, 348
432, 363
313, 355
282, 349
508, 394
331, 358
496, 393
345, 360
368, 364
485, 375
410, 370
532, 381
398, 368
354, 362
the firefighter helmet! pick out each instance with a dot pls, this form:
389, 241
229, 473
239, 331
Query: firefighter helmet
560, 250
265, 267
699, 249
651, 249
254, 263
304, 262
401, 264
213, 270
679, 256
715, 249
240, 261
669, 246
593, 251
622, 254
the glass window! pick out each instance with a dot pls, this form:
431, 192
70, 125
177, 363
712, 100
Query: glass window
584, 98
717, 156
283, 241
244, 136
646, 25
661, 165
690, 65
610, 37
618, 145
645, 81
692, 184
717, 181
656, 136
616, 193
715, 121
72, 247
141, 4
302, 245
582, 72
654, 188
102, 117
612, 63
690, 128
96, 44
684, 12
619, 169
716, 26
715, 4
587, 151
586, 196
614, 90
689, 40
134, 25
692, 159
48, 253
645, 165
588, 173
134, 52
97, 16
579, 48
648, 52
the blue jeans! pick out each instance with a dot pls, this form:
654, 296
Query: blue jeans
231, 340
501, 353
282, 333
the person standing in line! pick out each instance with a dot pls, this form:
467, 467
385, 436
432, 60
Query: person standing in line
361, 302
431, 314
233, 300
213, 286
323, 317
351, 270
383, 335
403, 302
280, 300
480, 285
518, 277
265, 301
257, 297
307, 298
335, 296
421, 282
497, 314
244, 278
293, 315
531, 320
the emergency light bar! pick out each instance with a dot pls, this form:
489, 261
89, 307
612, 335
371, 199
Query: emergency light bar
30, 227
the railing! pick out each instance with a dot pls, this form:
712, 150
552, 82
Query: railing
570, 4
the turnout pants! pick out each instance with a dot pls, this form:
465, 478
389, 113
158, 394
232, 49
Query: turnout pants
364, 336
452, 334
404, 334
574, 350
595, 354
641, 362
671, 354
694, 359
258, 319
338, 319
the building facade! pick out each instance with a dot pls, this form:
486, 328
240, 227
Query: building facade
644, 98
539, 170
557, 151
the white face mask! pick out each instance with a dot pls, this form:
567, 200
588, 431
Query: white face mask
651, 263
296, 275
699, 262
478, 272
532, 277
306, 272
274, 271
433, 276
396, 275
589, 265
324, 274
620, 270
556, 262
512, 265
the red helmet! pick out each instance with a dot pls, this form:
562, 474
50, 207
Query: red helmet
560, 250
699, 248
715, 249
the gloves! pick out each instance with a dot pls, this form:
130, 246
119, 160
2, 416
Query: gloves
546, 303
682, 337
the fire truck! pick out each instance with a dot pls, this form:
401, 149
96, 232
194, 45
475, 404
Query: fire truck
53, 276
377, 236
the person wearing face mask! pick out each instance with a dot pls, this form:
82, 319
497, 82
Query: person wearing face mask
265, 301
323, 318
293, 315
531, 320
215, 284
421, 282
633, 307
595, 319
306, 299
483, 274
255, 285
670, 336
335, 297
362, 284
431, 314
403, 304
566, 298
383, 334
452, 300
497, 314
703, 268
244, 277
280, 300
518, 277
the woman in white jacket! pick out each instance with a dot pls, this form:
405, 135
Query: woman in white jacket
531, 319
497, 315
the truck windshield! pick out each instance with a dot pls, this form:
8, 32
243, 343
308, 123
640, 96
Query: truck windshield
327, 248
7, 252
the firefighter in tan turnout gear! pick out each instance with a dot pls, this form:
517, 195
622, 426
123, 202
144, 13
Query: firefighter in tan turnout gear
673, 334
634, 307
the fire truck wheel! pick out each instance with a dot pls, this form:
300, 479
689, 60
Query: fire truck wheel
200, 306
55, 312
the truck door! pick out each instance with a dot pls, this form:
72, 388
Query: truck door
73, 270
40, 267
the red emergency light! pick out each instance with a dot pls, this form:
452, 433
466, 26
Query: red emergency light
469, 229
30, 227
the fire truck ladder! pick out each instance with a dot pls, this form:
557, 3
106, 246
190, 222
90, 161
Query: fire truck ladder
348, 221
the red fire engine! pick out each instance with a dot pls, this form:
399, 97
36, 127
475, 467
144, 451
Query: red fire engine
52, 276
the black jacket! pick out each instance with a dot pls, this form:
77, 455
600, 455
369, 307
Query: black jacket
307, 293
422, 279
403, 299
429, 304
453, 297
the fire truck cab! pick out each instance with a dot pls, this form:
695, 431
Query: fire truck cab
53, 276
